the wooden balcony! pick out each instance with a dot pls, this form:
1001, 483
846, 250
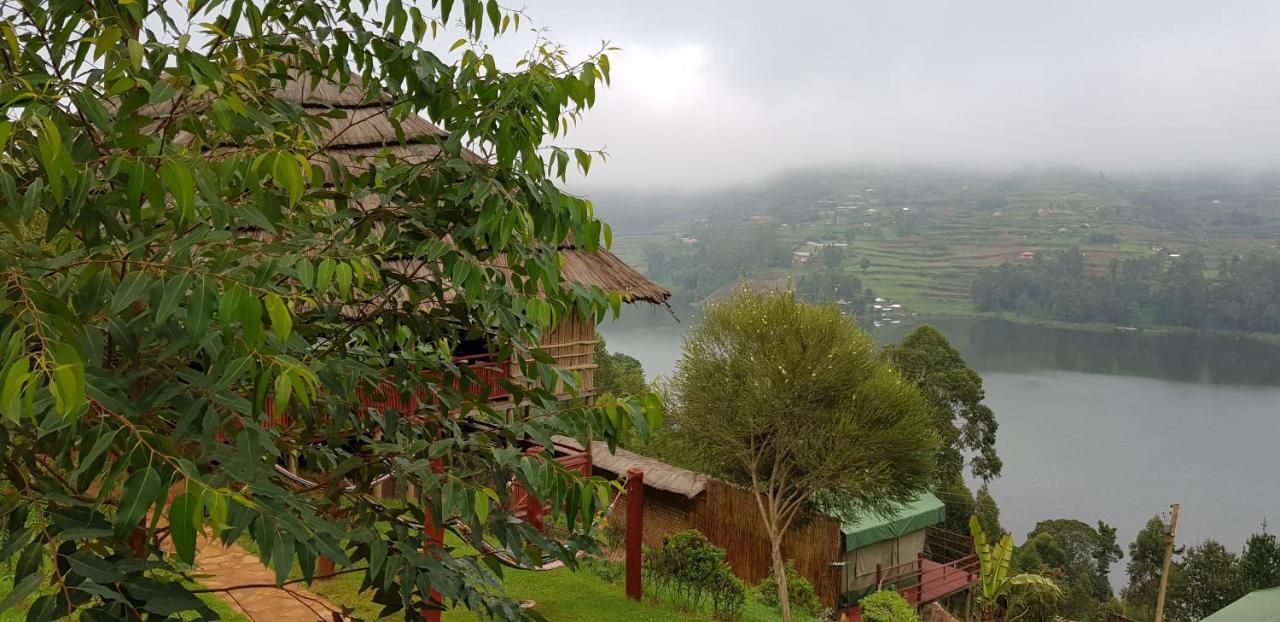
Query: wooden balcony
947, 566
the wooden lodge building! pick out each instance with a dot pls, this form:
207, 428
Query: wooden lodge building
907, 551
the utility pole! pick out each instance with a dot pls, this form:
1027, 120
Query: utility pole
1168, 559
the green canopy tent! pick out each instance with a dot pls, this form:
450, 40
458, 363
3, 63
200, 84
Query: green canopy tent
925, 511
1259, 606
893, 543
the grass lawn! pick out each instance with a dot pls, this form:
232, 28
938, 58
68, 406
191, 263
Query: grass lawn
561, 596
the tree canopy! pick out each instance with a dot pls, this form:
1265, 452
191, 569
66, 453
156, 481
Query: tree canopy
198, 291
1082, 554
954, 392
790, 401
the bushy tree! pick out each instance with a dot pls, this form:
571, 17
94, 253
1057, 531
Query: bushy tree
1081, 554
1211, 579
617, 373
1260, 561
185, 261
790, 401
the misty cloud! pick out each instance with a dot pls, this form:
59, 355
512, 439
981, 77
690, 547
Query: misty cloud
709, 93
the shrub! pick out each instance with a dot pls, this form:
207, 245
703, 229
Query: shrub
608, 570
689, 569
887, 606
728, 594
798, 588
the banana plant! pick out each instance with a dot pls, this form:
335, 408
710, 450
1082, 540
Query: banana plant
996, 586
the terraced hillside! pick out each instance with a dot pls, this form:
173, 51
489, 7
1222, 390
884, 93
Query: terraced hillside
919, 237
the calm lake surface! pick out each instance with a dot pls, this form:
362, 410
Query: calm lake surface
1099, 425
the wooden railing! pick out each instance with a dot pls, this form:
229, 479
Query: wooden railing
923, 581
943, 545
524, 505
489, 374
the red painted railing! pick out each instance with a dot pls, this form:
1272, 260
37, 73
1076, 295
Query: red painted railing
923, 581
521, 501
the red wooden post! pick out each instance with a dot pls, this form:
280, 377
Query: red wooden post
635, 531
324, 568
435, 540
532, 505
879, 576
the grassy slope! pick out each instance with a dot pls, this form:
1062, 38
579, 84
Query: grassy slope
561, 596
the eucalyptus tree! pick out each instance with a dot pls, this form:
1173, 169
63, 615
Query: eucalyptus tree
790, 401
184, 261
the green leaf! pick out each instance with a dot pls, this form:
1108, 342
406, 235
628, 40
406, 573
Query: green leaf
15, 380
94, 567
218, 510
284, 388
495, 14
482, 506
178, 181
344, 280
183, 525
584, 160
324, 275
281, 319
131, 288
250, 312
68, 383
200, 309
140, 491
287, 176
175, 290
135, 54
22, 588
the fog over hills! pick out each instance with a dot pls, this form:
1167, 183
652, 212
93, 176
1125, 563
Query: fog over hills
712, 94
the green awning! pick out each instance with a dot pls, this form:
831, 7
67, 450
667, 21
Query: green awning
925, 511
1259, 606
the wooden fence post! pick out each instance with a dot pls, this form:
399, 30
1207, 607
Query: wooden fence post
635, 531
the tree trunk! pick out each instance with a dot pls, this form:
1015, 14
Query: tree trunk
780, 573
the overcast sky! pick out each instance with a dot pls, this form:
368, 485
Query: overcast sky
710, 93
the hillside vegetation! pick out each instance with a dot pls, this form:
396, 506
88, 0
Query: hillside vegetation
921, 237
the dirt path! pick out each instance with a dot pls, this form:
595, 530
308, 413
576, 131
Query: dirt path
222, 567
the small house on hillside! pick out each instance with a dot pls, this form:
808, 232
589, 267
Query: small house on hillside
906, 551
1256, 606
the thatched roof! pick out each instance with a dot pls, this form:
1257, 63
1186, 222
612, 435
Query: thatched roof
657, 474
365, 127
361, 127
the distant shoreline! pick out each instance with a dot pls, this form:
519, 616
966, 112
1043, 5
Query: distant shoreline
1098, 327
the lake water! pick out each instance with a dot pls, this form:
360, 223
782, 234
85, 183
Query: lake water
1099, 425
